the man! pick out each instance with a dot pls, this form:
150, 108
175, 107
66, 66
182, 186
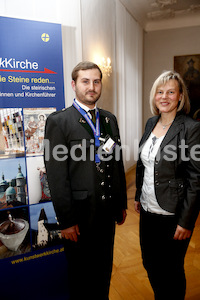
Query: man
87, 184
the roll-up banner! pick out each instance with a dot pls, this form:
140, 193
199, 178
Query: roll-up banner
32, 260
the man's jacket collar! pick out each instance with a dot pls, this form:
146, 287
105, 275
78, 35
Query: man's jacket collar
104, 121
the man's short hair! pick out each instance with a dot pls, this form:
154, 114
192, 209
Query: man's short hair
84, 65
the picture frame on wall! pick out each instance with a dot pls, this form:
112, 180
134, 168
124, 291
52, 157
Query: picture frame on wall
188, 66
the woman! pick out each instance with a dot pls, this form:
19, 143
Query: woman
168, 186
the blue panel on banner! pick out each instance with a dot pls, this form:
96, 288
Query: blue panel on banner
41, 278
31, 69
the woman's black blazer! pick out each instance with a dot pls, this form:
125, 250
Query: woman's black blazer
176, 169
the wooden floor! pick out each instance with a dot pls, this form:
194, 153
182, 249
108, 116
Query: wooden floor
129, 279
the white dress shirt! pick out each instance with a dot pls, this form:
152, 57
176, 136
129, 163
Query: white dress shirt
148, 198
85, 108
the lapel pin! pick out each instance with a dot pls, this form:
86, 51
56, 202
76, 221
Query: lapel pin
107, 120
82, 121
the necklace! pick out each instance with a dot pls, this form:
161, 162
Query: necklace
164, 126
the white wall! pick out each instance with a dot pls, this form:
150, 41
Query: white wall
160, 48
65, 12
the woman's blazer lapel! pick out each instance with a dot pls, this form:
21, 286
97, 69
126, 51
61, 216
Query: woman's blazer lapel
174, 129
151, 123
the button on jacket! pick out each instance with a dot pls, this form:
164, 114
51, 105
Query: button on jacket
176, 169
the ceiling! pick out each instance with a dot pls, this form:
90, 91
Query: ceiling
164, 14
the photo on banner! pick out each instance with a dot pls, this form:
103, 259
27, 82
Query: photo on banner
44, 226
13, 184
14, 232
34, 126
37, 180
11, 133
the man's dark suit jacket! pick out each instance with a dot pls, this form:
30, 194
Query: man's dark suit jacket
77, 183
176, 181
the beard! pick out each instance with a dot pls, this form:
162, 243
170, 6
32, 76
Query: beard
89, 98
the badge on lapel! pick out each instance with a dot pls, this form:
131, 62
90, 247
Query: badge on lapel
81, 120
107, 120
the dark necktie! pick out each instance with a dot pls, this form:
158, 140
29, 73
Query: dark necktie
92, 112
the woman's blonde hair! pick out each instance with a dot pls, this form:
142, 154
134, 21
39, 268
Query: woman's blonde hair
184, 103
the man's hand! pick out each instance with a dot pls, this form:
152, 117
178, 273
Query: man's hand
137, 206
124, 214
182, 233
71, 233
